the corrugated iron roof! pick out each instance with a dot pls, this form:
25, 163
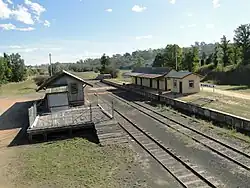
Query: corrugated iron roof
132, 74
60, 89
180, 74
150, 75
152, 70
58, 75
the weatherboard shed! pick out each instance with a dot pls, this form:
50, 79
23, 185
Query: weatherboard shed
64, 90
184, 82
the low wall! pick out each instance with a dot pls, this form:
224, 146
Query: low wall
210, 114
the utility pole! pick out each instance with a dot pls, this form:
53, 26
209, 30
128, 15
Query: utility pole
176, 60
51, 74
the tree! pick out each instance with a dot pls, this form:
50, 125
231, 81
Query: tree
56, 67
159, 61
225, 50
104, 64
191, 59
3, 67
242, 40
215, 56
235, 54
139, 62
18, 68
203, 58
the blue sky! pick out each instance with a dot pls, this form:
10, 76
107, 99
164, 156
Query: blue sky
78, 29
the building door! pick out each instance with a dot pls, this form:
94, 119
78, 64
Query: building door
135, 81
141, 80
180, 85
151, 83
158, 84
166, 84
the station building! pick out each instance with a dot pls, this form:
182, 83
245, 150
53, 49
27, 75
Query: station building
166, 79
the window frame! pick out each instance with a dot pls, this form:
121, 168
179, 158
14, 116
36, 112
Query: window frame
73, 88
191, 82
175, 83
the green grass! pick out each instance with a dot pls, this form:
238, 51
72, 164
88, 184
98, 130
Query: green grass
74, 163
232, 105
86, 75
20, 88
239, 88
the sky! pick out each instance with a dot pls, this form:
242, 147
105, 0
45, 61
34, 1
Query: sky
78, 29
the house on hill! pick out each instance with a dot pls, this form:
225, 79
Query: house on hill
63, 90
153, 77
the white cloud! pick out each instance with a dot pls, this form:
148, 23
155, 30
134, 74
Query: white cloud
138, 8
144, 37
9, 1
216, 3
36, 8
26, 29
5, 12
22, 14
209, 26
182, 26
46, 23
189, 14
109, 10
10, 26
15, 47
172, 1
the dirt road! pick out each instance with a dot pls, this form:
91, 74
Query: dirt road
227, 93
11, 111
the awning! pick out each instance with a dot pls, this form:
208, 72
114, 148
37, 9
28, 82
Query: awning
60, 89
150, 75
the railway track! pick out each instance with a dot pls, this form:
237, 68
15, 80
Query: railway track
187, 174
226, 151
229, 152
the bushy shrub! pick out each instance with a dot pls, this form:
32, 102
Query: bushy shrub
40, 79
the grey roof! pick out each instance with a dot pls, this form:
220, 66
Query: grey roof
180, 74
60, 89
58, 75
152, 70
150, 75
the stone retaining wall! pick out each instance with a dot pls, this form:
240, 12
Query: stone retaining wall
210, 114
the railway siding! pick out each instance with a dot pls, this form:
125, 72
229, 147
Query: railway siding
186, 173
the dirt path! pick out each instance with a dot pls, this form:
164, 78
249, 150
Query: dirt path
10, 125
227, 93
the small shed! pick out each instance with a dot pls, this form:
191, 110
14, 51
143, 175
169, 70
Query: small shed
184, 82
63, 90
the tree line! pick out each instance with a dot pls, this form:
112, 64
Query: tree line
226, 52
12, 68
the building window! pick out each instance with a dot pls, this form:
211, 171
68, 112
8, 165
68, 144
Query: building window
191, 83
175, 83
73, 88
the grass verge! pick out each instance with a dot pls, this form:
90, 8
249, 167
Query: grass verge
232, 105
20, 88
74, 163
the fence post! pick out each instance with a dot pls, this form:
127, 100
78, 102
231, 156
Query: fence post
97, 99
112, 109
90, 107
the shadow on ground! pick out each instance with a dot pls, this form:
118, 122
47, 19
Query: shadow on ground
16, 117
